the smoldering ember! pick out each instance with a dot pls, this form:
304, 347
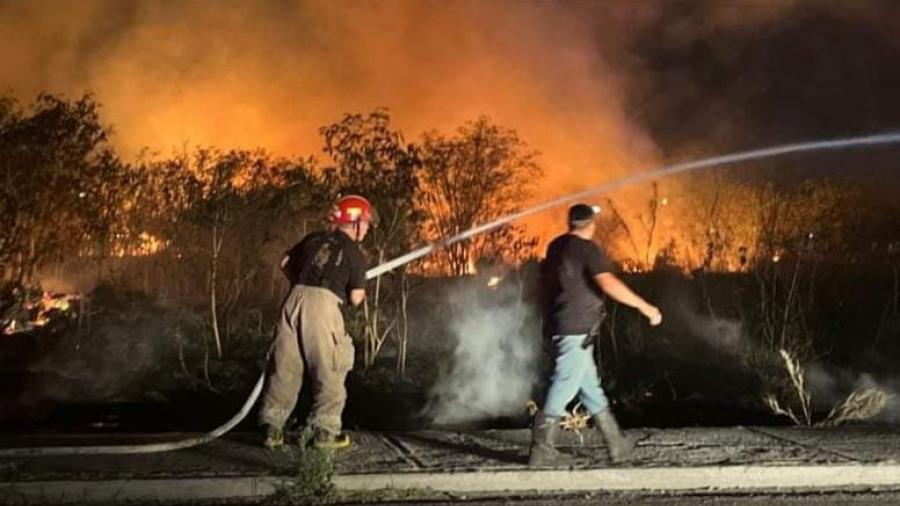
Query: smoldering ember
400, 251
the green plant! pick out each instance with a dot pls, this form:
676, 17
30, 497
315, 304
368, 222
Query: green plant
312, 483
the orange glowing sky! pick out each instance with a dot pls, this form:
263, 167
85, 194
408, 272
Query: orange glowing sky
268, 74
235, 74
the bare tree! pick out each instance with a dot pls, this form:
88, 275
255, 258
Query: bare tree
484, 171
372, 159
641, 245
57, 177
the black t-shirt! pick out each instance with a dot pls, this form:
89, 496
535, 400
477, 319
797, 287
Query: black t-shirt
327, 259
573, 302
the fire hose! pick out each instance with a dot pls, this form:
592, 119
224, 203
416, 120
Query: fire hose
730, 159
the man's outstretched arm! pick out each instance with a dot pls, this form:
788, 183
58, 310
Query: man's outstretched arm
619, 291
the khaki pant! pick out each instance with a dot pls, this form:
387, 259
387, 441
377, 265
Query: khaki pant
309, 338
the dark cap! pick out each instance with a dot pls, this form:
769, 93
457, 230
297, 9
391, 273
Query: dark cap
580, 213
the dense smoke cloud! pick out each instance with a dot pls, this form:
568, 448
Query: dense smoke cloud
582, 82
270, 73
723, 334
829, 386
720, 75
494, 366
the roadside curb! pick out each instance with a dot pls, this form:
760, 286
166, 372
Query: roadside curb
162, 489
661, 479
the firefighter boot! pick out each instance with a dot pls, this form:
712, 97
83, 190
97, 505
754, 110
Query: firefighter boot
274, 437
325, 440
620, 447
543, 435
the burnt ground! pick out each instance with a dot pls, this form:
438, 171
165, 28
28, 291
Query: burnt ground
689, 406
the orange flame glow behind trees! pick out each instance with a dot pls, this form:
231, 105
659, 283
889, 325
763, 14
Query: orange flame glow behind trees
242, 75
269, 74
714, 224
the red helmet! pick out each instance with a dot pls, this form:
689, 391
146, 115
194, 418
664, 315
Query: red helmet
351, 209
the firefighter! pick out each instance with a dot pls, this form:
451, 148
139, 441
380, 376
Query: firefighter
575, 274
326, 269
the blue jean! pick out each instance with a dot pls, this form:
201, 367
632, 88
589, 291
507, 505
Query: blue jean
575, 373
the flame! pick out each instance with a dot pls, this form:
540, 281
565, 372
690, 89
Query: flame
631, 266
530, 66
43, 309
147, 244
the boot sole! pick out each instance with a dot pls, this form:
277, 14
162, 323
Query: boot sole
271, 445
341, 442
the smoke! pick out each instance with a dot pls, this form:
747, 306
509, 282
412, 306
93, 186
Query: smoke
722, 334
72, 276
270, 73
891, 387
600, 90
723, 74
830, 386
494, 367
123, 348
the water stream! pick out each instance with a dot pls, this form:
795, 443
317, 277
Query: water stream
717, 161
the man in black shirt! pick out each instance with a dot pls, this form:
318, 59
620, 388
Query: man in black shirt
326, 269
575, 275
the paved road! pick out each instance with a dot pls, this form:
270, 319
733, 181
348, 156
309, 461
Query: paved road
492, 462
886, 497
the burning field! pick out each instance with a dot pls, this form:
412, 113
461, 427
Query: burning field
49, 309
159, 159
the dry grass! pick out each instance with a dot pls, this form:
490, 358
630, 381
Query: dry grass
776, 408
795, 372
575, 420
859, 405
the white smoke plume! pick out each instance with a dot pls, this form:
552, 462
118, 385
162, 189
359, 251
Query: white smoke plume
723, 334
891, 387
829, 386
496, 346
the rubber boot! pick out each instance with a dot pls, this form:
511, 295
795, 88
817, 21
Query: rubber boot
620, 447
325, 440
543, 436
274, 437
